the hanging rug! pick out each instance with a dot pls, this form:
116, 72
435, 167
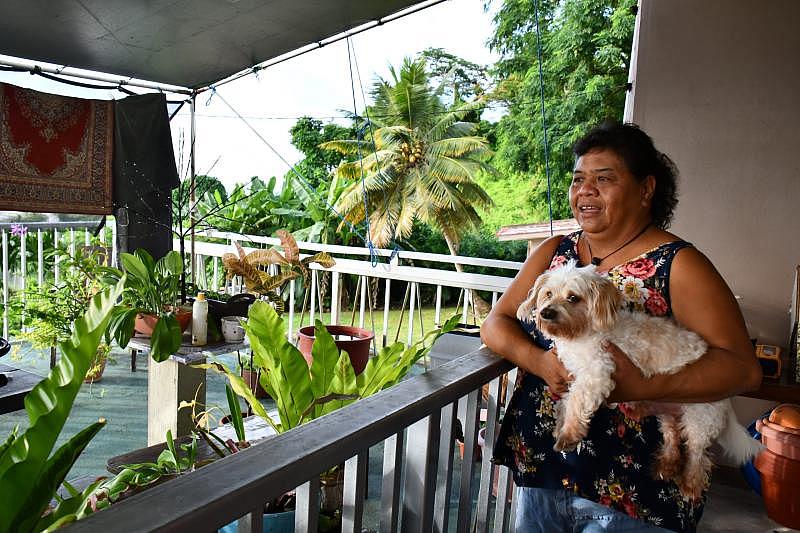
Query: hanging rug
55, 152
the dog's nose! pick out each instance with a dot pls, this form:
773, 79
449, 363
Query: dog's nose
548, 313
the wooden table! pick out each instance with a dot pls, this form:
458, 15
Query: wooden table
174, 381
20, 383
256, 431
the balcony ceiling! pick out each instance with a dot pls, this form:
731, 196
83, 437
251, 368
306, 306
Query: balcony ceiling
190, 43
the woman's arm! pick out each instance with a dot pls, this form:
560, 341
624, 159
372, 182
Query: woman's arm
502, 333
703, 303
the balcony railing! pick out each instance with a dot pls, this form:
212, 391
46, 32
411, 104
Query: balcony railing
416, 422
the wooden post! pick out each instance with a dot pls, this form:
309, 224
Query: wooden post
169, 383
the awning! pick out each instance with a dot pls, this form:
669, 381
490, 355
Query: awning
189, 43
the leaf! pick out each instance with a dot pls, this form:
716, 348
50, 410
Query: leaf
53, 474
269, 256
134, 266
48, 406
122, 325
286, 371
166, 338
343, 384
171, 263
236, 413
324, 260
325, 355
290, 249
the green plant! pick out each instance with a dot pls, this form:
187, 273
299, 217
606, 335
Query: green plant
252, 267
29, 474
152, 288
50, 310
303, 393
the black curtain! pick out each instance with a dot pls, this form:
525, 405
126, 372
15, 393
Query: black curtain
144, 174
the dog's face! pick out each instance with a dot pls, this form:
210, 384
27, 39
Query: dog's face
569, 302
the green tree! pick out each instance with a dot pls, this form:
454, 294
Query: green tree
586, 47
307, 136
418, 160
460, 80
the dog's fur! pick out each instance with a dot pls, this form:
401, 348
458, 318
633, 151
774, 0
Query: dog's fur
580, 310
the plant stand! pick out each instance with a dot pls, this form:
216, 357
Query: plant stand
173, 381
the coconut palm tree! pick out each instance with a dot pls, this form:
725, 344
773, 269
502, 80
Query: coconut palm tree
418, 161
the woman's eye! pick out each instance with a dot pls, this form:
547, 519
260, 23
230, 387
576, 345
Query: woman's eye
573, 299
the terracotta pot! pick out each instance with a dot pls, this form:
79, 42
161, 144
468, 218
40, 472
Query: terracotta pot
779, 440
787, 415
780, 485
355, 341
251, 378
145, 323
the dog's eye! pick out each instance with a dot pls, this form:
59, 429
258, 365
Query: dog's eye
573, 299
548, 295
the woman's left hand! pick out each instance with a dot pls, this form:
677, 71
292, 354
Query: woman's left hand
631, 384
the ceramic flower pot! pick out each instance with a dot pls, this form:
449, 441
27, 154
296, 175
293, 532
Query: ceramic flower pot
145, 323
780, 485
232, 329
251, 378
355, 341
780, 440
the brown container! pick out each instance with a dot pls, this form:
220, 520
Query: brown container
780, 487
145, 323
355, 341
780, 440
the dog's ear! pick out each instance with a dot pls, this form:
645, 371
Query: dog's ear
604, 302
526, 308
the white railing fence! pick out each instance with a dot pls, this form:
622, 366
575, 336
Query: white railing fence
17, 239
364, 275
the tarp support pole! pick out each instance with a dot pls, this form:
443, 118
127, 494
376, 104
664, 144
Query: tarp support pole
193, 135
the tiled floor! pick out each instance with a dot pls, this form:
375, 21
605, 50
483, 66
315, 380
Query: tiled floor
733, 506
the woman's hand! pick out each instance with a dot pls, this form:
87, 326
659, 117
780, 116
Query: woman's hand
549, 368
631, 385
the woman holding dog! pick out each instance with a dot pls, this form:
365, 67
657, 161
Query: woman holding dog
622, 194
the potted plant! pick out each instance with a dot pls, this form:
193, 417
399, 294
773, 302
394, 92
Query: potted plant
150, 302
50, 310
302, 392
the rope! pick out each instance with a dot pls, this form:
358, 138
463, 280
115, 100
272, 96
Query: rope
373, 257
544, 118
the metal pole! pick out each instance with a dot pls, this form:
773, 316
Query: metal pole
193, 135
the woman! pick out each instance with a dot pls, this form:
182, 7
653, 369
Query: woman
623, 194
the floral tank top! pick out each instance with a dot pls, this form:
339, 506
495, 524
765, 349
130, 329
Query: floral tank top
613, 464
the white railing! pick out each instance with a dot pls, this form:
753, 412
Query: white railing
415, 421
69, 234
357, 262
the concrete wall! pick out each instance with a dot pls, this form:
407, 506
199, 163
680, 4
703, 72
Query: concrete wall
717, 86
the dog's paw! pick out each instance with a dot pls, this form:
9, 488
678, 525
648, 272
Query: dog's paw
565, 444
692, 485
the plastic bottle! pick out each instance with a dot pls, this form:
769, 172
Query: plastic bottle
199, 320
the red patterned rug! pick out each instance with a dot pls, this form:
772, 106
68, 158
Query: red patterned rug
55, 152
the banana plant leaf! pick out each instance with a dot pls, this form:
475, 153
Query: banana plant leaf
25, 460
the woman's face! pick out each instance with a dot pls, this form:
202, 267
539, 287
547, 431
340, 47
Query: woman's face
604, 195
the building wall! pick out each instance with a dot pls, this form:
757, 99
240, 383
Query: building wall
716, 86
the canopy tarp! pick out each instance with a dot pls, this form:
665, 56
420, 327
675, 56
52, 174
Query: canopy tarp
189, 43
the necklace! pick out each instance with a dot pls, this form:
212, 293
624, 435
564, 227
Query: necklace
597, 260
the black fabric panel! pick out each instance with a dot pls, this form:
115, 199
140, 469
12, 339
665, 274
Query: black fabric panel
144, 174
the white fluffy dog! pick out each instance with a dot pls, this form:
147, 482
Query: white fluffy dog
580, 310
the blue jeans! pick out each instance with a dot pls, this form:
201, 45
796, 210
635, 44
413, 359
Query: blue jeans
551, 511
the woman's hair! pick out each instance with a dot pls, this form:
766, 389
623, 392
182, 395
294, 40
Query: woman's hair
636, 149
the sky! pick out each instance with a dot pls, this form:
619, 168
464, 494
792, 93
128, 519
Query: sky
316, 84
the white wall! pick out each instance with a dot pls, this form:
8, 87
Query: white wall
717, 86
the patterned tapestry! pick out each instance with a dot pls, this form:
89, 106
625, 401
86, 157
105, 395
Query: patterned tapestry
55, 152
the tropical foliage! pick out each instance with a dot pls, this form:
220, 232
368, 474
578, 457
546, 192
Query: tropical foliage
418, 160
30, 472
303, 393
586, 54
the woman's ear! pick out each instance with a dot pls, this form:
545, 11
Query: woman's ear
648, 190
604, 303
